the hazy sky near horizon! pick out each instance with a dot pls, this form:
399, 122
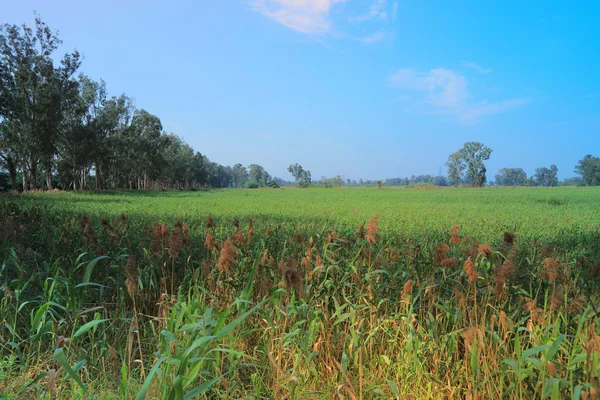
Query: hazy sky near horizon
361, 88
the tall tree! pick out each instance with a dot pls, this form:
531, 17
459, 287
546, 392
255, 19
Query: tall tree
467, 164
546, 176
302, 176
34, 92
511, 177
239, 175
589, 170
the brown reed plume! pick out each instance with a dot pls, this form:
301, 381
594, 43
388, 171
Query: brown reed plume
298, 238
332, 237
441, 253
470, 270
175, 242
551, 271
265, 258
485, 250
132, 275
505, 322
210, 242
239, 238
535, 312
407, 291
451, 262
210, 223
454, 234
372, 230
503, 273
509, 238
292, 277
228, 258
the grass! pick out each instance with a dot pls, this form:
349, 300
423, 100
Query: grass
269, 294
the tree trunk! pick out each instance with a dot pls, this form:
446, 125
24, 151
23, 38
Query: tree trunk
49, 179
32, 175
25, 185
97, 168
12, 170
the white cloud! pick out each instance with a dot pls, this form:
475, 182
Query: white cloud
394, 10
444, 91
307, 16
377, 10
476, 67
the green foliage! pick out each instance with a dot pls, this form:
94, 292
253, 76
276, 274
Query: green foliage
546, 176
99, 305
511, 177
467, 164
589, 169
302, 176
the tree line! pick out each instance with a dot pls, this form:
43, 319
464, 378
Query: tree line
60, 129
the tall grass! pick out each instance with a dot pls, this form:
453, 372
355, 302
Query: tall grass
217, 307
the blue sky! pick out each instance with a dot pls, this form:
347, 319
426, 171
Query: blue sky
361, 88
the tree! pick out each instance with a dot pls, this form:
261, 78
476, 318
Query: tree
589, 170
302, 176
440, 181
258, 174
239, 175
546, 176
511, 177
34, 93
467, 164
456, 166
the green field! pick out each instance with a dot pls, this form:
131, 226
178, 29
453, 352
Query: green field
300, 293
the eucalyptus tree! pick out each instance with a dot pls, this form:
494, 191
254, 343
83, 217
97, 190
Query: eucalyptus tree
467, 164
546, 176
589, 170
34, 91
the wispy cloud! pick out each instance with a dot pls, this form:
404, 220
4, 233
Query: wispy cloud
394, 10
476, 67
443, 91
377, 10
307, 16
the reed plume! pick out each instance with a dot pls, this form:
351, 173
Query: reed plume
210, 223
372, 230
228, 258
454, 235
210, 242
441, 253
470, 270
509, 238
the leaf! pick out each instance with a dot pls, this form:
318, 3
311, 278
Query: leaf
555, 347
155, 368
90, 268
194, 393
88, 326
61, 358
531, 352
167, 335
76, 368
394, 388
